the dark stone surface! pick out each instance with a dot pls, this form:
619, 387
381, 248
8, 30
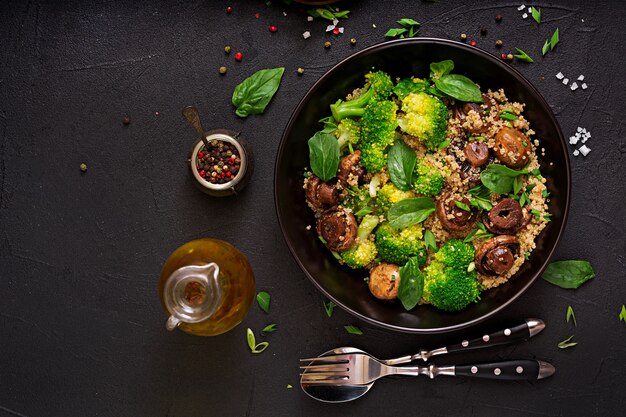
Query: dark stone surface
81, 329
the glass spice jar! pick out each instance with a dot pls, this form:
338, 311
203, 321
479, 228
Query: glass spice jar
207, 287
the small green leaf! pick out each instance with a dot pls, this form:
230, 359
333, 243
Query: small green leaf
567, 343
622, 314
392, 33
254, 93
523, 56
363, 211
570, 314
408, 22
251, 339
459, 87
329, 307
270, 328
263, 298
517, 185
324, 155
505, 115
536, 14
410, 211
429, 240
499, 178
462, 206
554, 40
568, 274
401, 163
411, 284
439, 69
545, 48
353, 329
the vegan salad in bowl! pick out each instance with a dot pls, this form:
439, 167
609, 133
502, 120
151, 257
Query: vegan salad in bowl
429, 186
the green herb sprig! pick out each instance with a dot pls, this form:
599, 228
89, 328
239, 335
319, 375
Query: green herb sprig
352, 329
479, 233
551, 43
270, 328
409, 29
263, 298
254, 93
329, 307
567, 343
570, 315
328, 13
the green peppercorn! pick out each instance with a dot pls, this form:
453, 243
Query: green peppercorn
499, 43
463, 36
327, 44
223, 70
300, 71
83, 167
227, 49
353, 41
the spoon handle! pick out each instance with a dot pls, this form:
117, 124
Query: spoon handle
514, 333
515, 370
190, 113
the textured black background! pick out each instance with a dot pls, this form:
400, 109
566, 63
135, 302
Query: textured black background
81, 329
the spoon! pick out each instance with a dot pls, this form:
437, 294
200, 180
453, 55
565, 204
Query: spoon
190, 113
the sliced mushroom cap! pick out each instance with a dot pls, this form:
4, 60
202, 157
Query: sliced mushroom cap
338, 228
512, 147
506, 218
476, 153
453, 218
350, 165
384, 281
320, 194
497, 255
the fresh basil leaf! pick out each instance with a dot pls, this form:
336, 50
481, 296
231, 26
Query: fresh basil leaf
411, 284
270, 328
324, 155
329, 307
568, 274
353, 329
567, 343
392, 33
570, 314
255, 92
401, 163
408, 22
439, 69
459, 87
429, 240
263, 298
499, 178
410, 211
408, 86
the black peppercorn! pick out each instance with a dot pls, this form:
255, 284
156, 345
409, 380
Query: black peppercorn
498, 18
483, 31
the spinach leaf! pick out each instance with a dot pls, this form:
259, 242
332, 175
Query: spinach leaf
481, 197
401, 163
324, 155
408, 86
439, 69
499, 178
459, 87
255, 92
429, 240
411, 284
568, 274
410, 211
263, 298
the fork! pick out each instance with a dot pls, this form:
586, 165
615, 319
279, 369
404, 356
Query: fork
362, 369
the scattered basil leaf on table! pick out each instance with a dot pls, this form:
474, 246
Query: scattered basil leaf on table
329, 307
263, 298
439, 69
459, 87
324, 155
255, 92
429, 240
570, 315
622, 314
536, 14
353, 329
270, 328
411, 284
567, 343
410, 211
499, 178
568, 274
523, 56
401, 163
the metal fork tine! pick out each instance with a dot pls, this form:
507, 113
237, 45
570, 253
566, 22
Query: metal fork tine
325, 368
323, 376
330, 358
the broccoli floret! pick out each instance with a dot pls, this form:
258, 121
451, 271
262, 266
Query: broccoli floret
365, 250
357, 199
398, 246
379, 87
408, 86
450, 283
426, 117
378, 132
389, 195
427, 179
348, 133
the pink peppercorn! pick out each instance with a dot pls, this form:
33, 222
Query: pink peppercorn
238, 56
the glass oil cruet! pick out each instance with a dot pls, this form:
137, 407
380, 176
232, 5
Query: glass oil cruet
207, 287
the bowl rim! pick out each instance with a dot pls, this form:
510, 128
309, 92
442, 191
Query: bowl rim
480, 54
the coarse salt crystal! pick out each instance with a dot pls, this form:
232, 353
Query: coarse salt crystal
560, 75
573, 140
584, 86
584, 139
373, 25
525, 15
522, 7
329, 28
309, 18
306, 35
579, 129
581, 77
285, 14
530, 10
584, 150
335, 21
576, 153
584, 130
574, 86
340, 30
565, 81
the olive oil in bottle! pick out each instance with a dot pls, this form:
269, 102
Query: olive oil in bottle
206, 287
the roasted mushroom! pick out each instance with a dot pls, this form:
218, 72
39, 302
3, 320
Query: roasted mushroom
338, 228
512, 147
350, 165
506, 218
384, 281
454, 218
476, 153
321, 195
497, 255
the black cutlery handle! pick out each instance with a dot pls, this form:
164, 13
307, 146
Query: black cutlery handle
513, 334
517, 370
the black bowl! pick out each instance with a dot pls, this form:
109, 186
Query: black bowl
403, 58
